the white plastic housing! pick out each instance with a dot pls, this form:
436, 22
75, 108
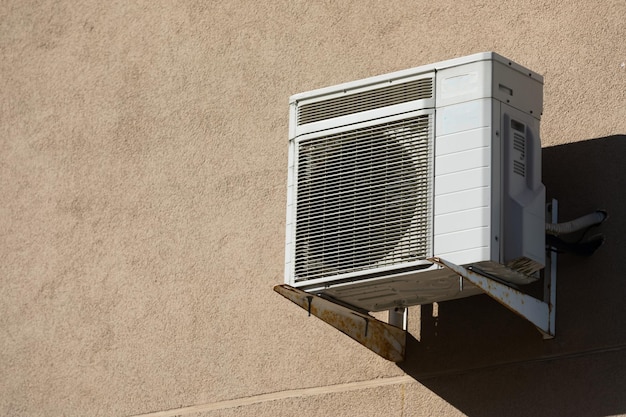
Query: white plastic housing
441, 160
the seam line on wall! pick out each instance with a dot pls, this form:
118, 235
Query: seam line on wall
281, 395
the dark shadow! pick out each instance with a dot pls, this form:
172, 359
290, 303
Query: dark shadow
485, 360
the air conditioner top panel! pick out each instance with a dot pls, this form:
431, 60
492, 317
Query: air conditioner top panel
398, 75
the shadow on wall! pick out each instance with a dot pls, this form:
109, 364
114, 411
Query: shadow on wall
485, 360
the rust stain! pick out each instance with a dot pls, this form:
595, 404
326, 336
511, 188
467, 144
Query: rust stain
384, 339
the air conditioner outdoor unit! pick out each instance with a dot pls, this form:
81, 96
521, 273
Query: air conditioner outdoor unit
388, 173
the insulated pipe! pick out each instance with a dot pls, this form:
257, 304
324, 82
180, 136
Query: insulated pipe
575, 225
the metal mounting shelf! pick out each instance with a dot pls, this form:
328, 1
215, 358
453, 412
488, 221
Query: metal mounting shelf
389, 339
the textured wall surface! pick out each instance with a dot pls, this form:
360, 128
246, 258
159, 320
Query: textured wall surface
143, 154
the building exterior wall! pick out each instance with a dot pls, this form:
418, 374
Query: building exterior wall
143, 163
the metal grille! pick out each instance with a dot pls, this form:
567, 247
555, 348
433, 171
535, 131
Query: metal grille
367, 100
364, 199
519, 145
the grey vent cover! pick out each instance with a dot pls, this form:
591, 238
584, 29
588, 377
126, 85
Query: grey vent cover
367, 100
363, 198
519, 148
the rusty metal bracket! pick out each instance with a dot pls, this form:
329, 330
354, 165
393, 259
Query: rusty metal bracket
538, 312
384, 339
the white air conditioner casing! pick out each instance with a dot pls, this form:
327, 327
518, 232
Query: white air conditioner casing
441, 160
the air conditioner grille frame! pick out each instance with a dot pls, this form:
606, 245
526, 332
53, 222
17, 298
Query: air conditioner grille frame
364, 198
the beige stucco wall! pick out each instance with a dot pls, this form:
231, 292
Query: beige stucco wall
143, 153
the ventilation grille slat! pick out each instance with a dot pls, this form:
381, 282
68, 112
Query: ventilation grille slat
366, 100
519, 168
519, 145
363, 199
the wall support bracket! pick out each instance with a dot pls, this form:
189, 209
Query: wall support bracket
382, 338
539, 312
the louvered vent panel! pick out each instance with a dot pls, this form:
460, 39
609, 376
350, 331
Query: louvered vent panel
367, 100
364, 199
519, 145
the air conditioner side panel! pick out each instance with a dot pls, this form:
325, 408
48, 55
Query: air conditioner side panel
463, 180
